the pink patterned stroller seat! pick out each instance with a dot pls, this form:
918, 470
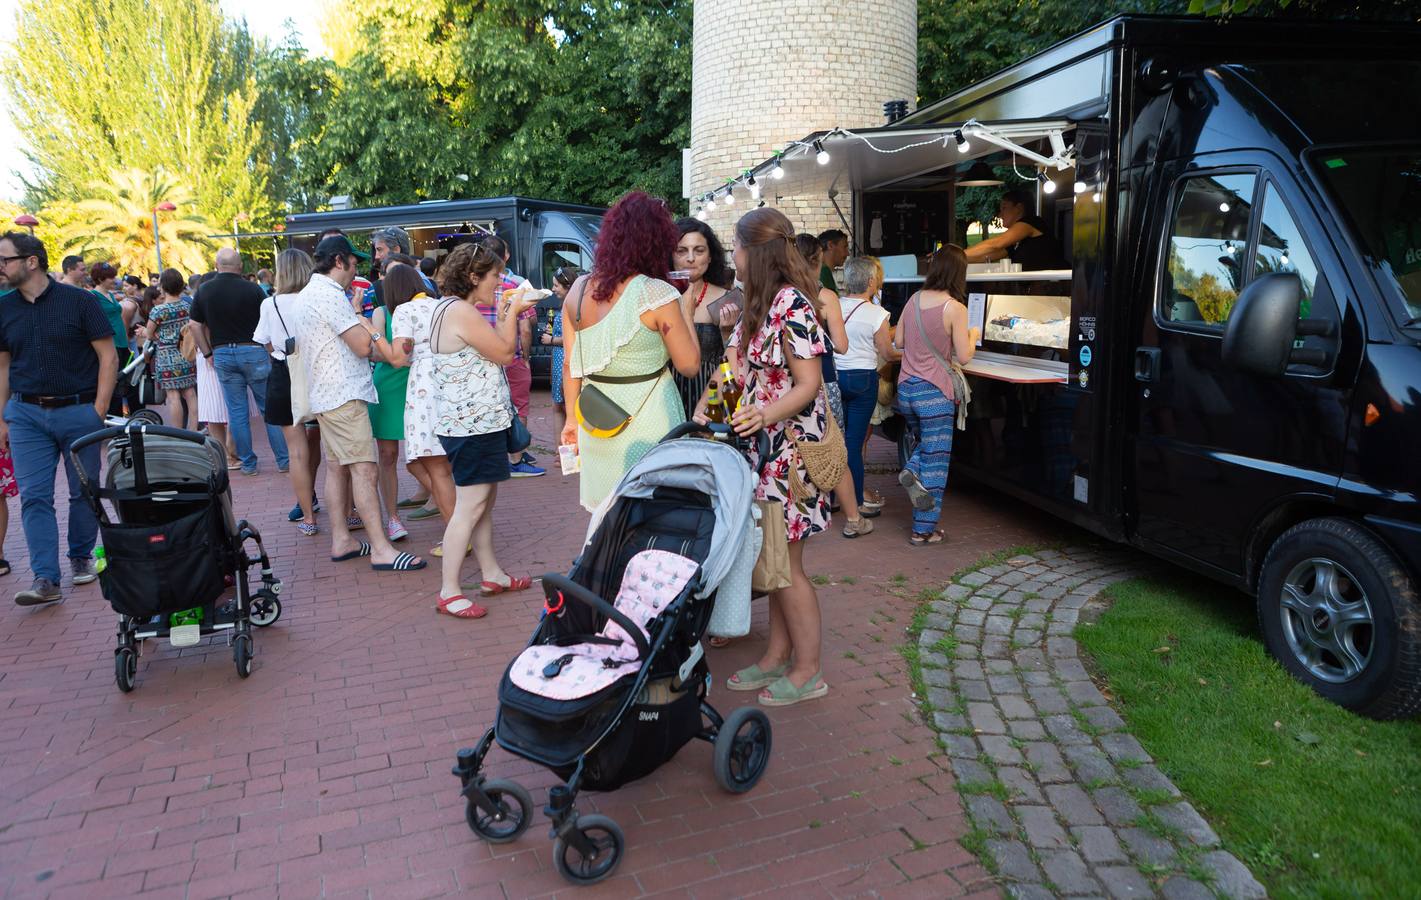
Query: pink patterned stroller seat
653, 579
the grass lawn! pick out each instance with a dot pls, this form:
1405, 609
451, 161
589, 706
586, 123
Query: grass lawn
1317, 801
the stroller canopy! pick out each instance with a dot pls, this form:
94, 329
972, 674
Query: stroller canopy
713, 468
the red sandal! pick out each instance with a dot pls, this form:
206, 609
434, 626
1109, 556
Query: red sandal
464, 608
515, 583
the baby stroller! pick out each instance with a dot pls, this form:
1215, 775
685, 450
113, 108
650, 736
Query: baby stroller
606, 692
173, 544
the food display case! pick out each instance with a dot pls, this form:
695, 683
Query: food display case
1025, 319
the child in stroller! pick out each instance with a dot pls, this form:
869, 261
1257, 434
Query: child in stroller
173, 544
605, 693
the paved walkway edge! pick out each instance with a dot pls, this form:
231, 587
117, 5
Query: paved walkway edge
1063, 801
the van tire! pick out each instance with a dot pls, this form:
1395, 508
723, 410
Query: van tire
1389, 683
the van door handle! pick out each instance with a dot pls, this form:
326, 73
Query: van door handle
1147, 364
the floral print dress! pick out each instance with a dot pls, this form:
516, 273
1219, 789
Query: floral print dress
412, 320
765, 370
174, 372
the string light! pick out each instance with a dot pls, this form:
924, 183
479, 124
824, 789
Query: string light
754, 188
1080, 187
1047, 184
729, 199
962, 145
821, 155
778, 172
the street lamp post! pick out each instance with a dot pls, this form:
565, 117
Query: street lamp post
165, 206
27, 221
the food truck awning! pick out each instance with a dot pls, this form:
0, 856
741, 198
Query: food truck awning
877, 158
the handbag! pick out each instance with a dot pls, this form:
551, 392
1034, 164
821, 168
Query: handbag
300, 394
730, 616
825, 459
187, 343
888, 383
771, 572
599, 415
517, 435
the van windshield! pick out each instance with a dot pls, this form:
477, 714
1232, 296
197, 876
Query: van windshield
1380, 189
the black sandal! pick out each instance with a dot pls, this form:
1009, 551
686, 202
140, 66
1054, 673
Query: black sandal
4, 567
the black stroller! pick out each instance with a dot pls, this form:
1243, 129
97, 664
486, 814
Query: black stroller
172, 544
606, 692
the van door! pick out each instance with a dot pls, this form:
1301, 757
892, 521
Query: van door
1214, 449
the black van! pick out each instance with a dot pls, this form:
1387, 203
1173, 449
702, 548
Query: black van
543, 236
1227, 371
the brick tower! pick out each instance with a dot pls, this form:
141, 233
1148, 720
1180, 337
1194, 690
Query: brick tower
765, 72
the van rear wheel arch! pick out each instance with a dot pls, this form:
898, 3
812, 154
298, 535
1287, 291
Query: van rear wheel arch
1341, 614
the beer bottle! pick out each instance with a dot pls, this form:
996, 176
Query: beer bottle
731, 393
715, 411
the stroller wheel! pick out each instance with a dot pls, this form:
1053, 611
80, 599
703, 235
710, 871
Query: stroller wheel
515, 813
607, 843
242, 654
742, 749
265, 609
151, 416
125, 668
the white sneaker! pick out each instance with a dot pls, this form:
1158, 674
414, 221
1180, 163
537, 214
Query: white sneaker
395, 531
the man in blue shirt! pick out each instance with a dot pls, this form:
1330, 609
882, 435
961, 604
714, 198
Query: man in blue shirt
58, 368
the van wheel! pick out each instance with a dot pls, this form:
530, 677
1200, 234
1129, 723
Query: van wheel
1342, 616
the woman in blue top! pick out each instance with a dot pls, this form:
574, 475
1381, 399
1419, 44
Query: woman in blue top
120, 312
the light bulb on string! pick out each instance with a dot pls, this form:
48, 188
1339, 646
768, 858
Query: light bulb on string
729, 197
1095, 196
778, 172
821, 155
962, 145
754, 188
1047, 185
1080, 187
703, 214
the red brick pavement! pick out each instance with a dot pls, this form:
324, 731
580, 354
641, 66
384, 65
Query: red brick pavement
327, 772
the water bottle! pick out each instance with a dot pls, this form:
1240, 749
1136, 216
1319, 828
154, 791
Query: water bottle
100, 561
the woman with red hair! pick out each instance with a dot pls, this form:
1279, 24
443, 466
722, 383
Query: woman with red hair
621, 324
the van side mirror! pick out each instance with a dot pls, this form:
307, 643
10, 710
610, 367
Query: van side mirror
1263, 324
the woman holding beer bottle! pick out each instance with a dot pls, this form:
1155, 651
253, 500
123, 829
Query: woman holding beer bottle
711, 310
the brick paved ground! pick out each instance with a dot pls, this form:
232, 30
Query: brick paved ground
327, 772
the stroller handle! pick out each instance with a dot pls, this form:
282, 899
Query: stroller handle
108, 434
686, 429
571, 589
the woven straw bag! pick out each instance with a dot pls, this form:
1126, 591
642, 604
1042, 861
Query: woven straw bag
825, 460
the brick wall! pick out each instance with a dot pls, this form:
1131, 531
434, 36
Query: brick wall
765, 72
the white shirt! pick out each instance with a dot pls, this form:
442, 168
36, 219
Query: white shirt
334, 374
269, 326
861, 326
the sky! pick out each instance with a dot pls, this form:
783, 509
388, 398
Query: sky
265, 18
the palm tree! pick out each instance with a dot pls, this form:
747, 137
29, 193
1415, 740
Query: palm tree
117, 222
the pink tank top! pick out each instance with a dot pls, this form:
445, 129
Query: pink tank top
918, 359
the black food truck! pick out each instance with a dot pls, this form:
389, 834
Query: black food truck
542, 236
1226, 371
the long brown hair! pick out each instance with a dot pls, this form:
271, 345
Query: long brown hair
772, 262
948, 272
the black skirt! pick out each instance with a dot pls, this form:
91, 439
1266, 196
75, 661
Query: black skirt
278, 395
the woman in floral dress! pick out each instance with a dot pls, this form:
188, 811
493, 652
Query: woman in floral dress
176, 375
774, 350
411, 328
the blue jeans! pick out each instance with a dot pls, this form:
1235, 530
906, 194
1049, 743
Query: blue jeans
859, 388
39, 437
240, 368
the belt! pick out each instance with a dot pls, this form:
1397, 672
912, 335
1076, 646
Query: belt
237, 344
626, 379
48, 402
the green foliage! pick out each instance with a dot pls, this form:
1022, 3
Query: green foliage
460, 98
1238, 736
115, 220
99, 87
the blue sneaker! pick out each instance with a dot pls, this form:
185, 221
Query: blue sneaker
295, 514
522, 469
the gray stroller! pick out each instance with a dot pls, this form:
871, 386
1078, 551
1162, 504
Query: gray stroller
172, 544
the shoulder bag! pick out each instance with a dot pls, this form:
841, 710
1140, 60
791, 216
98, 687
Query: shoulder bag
825, 459
962, 392
597, 414
296, 371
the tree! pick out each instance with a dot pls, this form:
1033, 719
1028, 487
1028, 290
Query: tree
110, 85
115, 222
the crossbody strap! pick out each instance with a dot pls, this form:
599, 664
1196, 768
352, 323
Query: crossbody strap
854, 310
923, 333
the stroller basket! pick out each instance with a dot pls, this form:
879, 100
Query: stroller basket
157, 569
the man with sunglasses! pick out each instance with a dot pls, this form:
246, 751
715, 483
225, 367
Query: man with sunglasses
58, 368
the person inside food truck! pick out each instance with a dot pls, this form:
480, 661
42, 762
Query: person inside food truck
1026, 240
